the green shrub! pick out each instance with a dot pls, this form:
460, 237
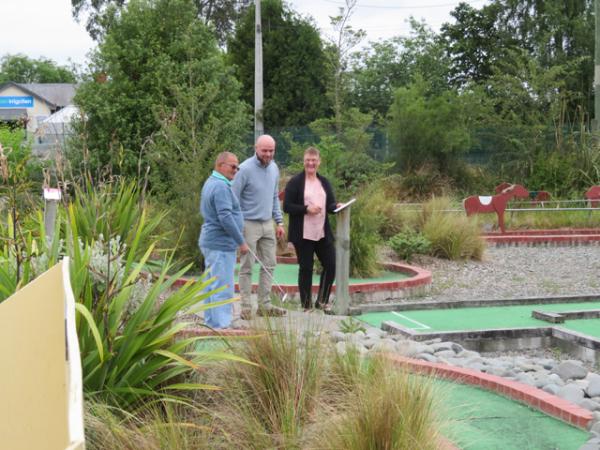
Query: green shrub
454, 236
364, 239
407, 243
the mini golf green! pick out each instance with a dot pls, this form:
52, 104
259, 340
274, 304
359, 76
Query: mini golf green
287, 274
482, 420
482, 318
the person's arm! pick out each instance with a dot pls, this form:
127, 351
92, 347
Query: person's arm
224, 208
290, 204
277, 216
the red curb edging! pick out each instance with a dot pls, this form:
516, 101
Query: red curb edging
552, 236
419, 277
552, 405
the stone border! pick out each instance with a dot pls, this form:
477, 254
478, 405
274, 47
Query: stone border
583, 346
547, 403
419, 281
411, 306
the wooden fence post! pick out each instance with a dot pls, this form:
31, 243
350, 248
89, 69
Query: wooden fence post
342, 262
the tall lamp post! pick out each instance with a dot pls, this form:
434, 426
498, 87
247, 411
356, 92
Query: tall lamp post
596, 121
259, 127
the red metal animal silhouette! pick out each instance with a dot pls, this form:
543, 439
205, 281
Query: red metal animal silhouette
539, 196
495, 203
593, 196
498, 189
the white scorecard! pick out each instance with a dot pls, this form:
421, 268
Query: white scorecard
344, 205
52, 194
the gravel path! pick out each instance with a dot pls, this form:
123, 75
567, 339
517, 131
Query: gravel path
515, 272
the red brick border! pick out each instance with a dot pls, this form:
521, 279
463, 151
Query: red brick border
536, 398
552, 236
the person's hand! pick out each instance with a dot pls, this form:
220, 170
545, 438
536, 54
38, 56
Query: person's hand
244, 248
337, 205
313, 209
280, 232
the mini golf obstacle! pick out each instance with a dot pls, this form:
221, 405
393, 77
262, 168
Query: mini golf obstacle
571, 324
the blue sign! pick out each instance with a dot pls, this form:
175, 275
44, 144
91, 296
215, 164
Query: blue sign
16, 101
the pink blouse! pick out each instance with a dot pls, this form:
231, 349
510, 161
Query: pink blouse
314, 224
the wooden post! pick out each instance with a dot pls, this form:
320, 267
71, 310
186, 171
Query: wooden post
51, 199
342, 262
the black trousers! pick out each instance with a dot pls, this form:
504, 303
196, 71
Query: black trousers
305, 251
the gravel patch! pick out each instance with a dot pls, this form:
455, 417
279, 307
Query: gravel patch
515, 272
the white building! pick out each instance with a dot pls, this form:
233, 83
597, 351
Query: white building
32, 103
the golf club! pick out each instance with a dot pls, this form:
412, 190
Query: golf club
270, 276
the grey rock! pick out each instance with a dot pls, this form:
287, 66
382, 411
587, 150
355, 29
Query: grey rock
369, 343
445, 354
385, 346
572, 393
593, 389
554, 378
570, 370
589, 404
427, 357
337, 336
551, 389
525, 378
412, 348
432, 341
469, 354
359, 334
340, 347
596, 428
442, 346
530, 367
457, 347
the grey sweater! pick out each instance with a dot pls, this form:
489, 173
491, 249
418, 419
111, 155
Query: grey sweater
256, 187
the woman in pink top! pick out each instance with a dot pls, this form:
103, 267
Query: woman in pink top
308, 199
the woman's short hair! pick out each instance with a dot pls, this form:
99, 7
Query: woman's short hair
312, 151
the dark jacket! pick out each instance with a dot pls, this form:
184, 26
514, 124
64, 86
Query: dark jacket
293, 204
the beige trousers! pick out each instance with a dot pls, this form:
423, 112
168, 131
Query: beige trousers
260, 237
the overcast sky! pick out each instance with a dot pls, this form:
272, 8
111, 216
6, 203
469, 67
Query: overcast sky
46, 28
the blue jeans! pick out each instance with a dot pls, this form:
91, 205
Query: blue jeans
220, 264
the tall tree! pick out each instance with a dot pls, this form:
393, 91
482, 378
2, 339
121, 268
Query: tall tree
220, 14
294, 65
22, 69
382, 67
153, 53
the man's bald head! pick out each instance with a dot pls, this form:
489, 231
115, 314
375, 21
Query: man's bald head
265, 149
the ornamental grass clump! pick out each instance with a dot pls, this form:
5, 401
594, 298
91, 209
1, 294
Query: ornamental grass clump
163, 425
268, 405
387, 409
452, 235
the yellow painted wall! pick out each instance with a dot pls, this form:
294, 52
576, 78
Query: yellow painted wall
40, 398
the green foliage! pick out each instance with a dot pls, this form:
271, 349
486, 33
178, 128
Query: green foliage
408, 243
390, 409
294, 65
22, 69
452, 236
430, 128
351, 325
269, 403
156, 56
128, 309
364, 239
385, 66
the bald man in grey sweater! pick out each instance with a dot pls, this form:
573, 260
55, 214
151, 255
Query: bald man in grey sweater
257, 187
